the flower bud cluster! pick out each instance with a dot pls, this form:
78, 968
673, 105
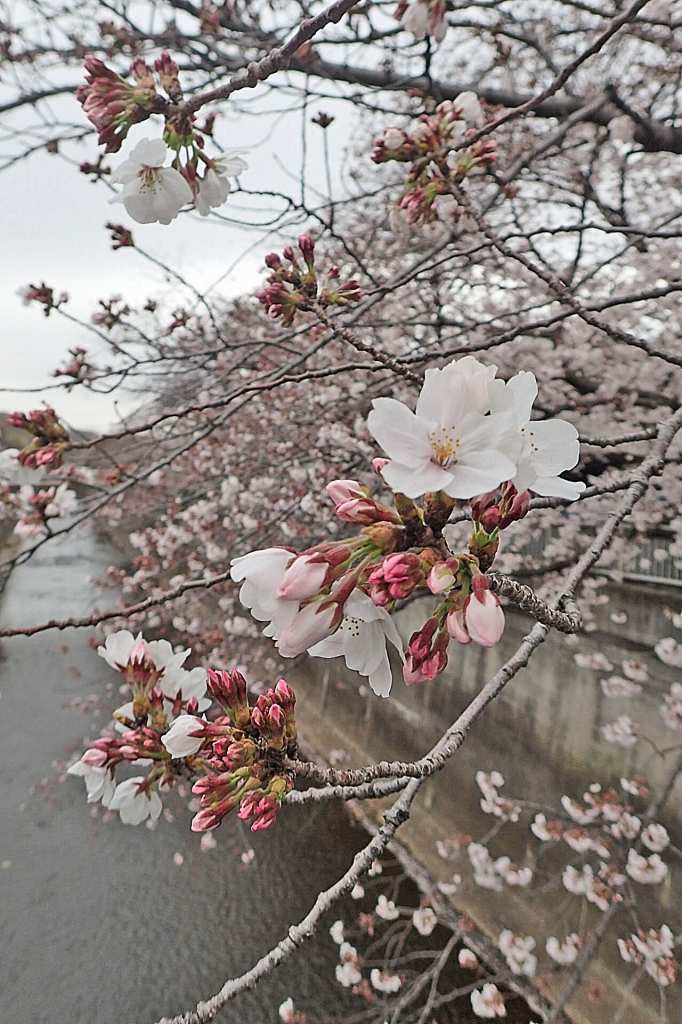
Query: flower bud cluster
113, 104
296, 284
50, 439
241, 760
467, 611
236, 752
76, 367
44, 296
440, 156
491, 513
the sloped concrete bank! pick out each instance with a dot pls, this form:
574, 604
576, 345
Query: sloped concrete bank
544, 734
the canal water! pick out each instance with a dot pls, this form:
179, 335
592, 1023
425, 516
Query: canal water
107, 924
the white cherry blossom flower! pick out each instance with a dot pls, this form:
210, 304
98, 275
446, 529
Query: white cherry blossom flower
517, 951
448, 443
98, 780
646, 870
467, 960
294, 627
63, 501
424, 920
361, 640
471, 109
655, 837
578, 882
384, 981
133, 805
564, 952
214, 187
488, 1003
179, 741
151, 192
542, 449
386, 909
617, 686
336, 932
669, 651
623, 731
347, 974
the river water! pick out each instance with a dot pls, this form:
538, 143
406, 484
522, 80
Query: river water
100, 923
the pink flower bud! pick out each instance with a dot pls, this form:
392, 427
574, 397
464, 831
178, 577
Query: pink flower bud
378, 464
456, 627
204, 821
312, 624
284, 693
344, 490
484, 618
303, 579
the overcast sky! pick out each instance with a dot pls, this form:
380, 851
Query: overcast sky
52, 223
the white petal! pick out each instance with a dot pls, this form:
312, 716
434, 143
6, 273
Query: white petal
415, 481
402, 435
556, 487
149, 153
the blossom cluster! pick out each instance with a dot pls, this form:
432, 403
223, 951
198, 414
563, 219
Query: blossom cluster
50, 438
442, 152
471, 433
35, 508
153, 192
296, 285
617, 845
198, 724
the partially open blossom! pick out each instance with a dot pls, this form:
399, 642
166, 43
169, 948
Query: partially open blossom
151, 192
303, 578
564, 952
98, 780
361, 640
182, 740
484, 618
214, 187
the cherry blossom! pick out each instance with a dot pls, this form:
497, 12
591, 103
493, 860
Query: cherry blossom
361, 640
488, 1002
181, 739
424, 920
655, 837
646, 870
386, 909
135, 804
151, 192
449, 443
98, 780
623, 731
385, 981
467, 960
564, 951
214, 187
517, 950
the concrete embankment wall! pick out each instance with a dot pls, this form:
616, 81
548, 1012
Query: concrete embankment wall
543, 733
